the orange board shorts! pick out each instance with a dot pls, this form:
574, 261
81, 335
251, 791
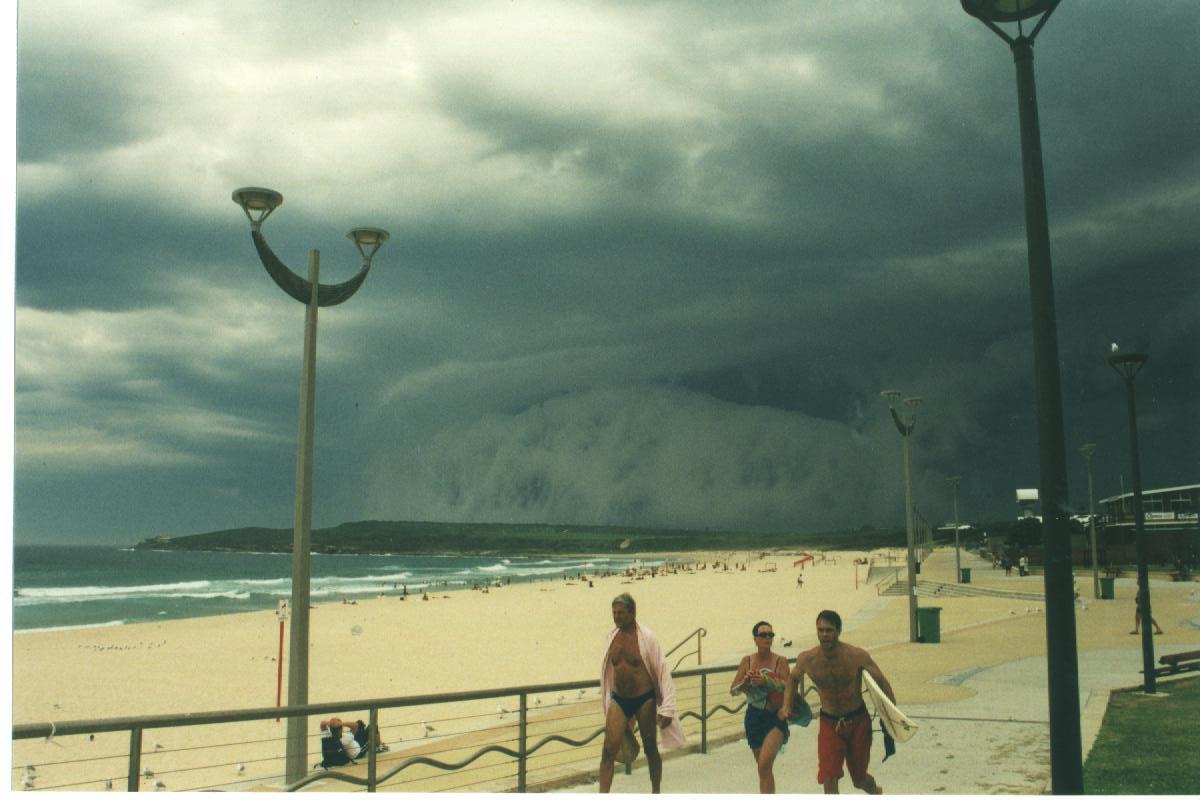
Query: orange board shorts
844, 739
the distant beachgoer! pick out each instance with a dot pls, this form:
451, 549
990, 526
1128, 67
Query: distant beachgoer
835, 668
332, 752
1138, 613
761, 678
799, 581
636, 686
1024, 566
361, 732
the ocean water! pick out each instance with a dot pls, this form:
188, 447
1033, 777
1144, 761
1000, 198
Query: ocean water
68, 587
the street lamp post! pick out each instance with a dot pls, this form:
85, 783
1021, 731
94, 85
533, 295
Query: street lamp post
1127, 366
1066, 751
258, 205
957, 558
1087, 451
906, 429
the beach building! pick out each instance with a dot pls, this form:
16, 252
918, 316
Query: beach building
1171, 524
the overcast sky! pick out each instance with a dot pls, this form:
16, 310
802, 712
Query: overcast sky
651, 262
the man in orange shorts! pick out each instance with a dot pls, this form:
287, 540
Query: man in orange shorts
835, 668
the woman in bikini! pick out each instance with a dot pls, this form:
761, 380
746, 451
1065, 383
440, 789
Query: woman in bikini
761, 678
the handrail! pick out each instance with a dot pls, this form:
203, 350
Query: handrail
699, 633
137, 725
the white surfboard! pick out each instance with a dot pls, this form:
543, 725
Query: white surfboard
895, 721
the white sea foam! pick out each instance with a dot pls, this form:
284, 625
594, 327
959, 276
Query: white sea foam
112, 624
69, 594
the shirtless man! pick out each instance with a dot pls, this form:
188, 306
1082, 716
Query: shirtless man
845, 735
635, 683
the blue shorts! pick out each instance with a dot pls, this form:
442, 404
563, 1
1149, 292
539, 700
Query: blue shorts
759, 723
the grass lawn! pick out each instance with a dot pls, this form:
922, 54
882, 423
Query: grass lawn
1148, 745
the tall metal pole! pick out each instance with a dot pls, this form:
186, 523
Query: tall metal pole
297, 750
957, 558
1066, 751
910, 536
906, 429
1149, 681
259, 203
1087, 451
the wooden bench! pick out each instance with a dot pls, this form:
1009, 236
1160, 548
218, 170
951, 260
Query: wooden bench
1179, 662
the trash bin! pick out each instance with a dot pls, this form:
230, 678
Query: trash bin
964, 575
1106, 588
929, 625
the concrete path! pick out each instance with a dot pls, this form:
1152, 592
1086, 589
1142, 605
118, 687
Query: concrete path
995, 740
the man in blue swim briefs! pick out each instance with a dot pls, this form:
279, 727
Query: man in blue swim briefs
635, 684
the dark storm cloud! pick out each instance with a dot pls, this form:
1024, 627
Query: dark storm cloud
651, 263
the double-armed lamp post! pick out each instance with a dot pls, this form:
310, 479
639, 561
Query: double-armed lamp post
1066, 751
258, 205
1088, 450
1127, 366
957, 558
906, 428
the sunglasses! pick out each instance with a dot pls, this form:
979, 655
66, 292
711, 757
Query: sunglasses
767, 635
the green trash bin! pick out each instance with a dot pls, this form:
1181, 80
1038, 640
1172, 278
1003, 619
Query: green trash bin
1106, 589
964, 575
929, 624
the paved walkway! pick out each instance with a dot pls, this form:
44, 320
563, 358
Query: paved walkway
995, 741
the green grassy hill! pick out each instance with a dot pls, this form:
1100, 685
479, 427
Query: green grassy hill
378, 536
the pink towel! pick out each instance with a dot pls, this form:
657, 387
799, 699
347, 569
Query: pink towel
660, 673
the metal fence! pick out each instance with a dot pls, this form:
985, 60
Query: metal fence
456, 744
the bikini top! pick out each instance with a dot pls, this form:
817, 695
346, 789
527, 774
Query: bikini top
771, 689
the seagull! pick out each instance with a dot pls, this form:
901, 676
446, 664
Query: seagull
581, 692
159, 785
561, 697
537, 701
241, 768
158, 746
30, 770
27, 782
428, 728
108, 784
502, 711
147, 773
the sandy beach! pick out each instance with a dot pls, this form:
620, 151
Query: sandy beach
510, 636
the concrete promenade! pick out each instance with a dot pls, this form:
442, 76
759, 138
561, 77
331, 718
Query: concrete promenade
992, 737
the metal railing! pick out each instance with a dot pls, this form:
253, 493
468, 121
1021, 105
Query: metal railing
519, 751
699, 634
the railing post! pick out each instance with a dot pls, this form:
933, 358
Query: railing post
135, 758
704, 713
372, 738
522, 767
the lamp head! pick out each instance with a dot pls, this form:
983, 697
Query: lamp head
257, 203
912, 402
891, 395
368, 241
1087, 450
1007, 10
1127, 364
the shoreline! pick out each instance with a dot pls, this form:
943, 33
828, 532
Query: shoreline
46, 606
526, 634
